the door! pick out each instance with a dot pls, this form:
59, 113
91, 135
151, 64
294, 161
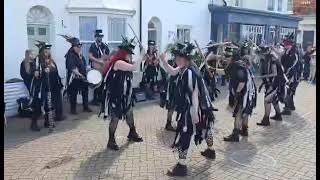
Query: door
308, 37
38, 32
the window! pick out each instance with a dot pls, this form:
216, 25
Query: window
234, 32
237, 3
30, 31
279, 5
87, 26
285, 31
183, 34
116, 29
290, 5
152, 31
253, 32
271, 5
42, 31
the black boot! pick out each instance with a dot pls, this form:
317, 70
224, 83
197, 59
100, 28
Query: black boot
233, 137
178, 170
209, 153
34, 124
112, 143
133, 135
277, 117
169, 127
286, 111
244, 130
265, 122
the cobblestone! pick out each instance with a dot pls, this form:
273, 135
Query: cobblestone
285, 150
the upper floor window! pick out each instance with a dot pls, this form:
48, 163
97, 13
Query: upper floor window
279, 5
237, 3
87, 26
290, 5
183, 34
271, 5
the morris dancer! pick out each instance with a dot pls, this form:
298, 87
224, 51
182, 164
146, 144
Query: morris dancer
292, 69
193, 106
76, 74
274, 81
118, 101
167, 98
244, 92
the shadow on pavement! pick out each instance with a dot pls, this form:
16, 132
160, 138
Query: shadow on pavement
18, 130
99, 165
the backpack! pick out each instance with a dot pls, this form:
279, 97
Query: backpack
24, 109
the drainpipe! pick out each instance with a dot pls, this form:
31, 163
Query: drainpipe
140, 23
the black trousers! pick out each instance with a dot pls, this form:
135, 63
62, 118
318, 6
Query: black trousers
56, 104
97, 94
74, 88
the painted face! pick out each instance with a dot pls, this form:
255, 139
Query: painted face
31, 55
181, 61
99, 38
46, 52
77, 48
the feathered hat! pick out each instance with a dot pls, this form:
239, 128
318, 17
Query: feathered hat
72, 40
42, 45
127, 45
183, 50
289, 39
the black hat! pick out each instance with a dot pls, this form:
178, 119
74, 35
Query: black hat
127, 45
151, 42
289, 38
230, 50
98, 33
43, 45
183, 50
72, 40
245, 44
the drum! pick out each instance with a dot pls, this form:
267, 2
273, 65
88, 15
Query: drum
94, 78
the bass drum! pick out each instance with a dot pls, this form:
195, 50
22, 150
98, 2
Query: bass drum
94, 78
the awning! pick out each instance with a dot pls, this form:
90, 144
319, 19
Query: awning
228, 14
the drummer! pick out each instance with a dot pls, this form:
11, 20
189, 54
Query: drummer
76, 74
97, 53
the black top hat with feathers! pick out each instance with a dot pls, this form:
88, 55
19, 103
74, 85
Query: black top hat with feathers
289, 38
72, 40
127, 45
183, 50
42, 45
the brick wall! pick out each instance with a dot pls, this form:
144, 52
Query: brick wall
304, 7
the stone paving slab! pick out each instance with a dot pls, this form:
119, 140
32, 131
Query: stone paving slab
285, 150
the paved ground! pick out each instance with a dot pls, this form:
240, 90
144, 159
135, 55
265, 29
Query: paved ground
77, 150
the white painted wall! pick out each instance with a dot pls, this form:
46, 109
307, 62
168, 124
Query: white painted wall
171, 13
15, 27
307, 24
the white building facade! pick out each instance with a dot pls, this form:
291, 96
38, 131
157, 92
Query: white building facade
188, 20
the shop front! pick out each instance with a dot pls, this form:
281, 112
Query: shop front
237, 24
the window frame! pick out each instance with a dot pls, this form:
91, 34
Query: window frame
184, 27
86, 42
108, 41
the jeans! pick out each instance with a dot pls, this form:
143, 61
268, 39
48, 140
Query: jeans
306, 71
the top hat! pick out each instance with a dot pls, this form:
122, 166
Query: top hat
151, 42
127, 45
98, 33
72, 40
42, 45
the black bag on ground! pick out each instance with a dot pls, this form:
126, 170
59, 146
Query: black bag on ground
24, 109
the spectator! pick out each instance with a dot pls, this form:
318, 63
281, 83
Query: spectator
313, 68
307, 57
